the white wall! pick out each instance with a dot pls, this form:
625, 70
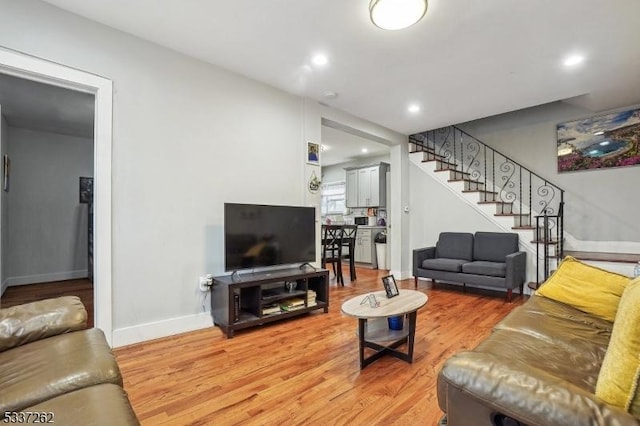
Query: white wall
46, 224
600, 205
435, 209
187, 137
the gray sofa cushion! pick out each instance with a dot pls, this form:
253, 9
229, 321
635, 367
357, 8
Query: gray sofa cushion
442, 264
481, 267
455, 245
494, 246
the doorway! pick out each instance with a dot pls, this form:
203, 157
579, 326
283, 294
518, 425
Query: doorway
27, 67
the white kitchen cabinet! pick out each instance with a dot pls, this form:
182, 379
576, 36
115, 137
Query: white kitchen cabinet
352, 188
366, 186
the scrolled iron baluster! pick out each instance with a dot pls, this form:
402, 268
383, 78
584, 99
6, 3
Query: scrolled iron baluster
509, 169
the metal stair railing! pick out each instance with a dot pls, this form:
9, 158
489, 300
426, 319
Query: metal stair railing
515, 189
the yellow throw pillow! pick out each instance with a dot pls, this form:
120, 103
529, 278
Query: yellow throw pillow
619, 378
585, 287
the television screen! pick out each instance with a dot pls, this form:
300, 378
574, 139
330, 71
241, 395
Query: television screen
261, 235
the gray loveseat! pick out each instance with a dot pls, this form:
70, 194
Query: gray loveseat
489, 259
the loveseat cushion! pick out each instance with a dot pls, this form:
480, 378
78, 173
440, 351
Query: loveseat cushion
455, 245
54, 366
105, 404
494, 246
619, 379
585, 287
443, 264
480, 267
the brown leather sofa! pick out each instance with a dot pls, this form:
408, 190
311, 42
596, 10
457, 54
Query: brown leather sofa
538, 367
55, 370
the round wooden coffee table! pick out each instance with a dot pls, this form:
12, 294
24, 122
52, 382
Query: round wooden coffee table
373, 330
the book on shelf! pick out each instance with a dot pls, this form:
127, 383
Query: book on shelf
293, 304
274, 308
292, 308
311, 298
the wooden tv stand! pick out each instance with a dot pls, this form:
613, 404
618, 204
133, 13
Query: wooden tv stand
238, 301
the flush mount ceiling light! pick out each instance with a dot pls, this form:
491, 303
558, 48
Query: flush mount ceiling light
396, 14
573, 60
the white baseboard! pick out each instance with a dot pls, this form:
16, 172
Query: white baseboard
3, 287
155, 330
43, 278
401, 275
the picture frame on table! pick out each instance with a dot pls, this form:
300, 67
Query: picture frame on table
390, 286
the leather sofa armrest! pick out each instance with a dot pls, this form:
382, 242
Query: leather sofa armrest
527, 394
516, 273
38, 320
419, 255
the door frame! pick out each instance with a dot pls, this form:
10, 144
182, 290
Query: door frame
29, 67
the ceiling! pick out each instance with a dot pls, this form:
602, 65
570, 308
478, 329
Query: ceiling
466, 59
32, 105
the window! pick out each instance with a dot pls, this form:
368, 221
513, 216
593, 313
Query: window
333, 198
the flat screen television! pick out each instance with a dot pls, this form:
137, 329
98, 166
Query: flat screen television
258, 236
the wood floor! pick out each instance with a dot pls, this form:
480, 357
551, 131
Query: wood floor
83, 288
305, 371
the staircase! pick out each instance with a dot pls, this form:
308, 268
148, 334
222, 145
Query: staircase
512, 196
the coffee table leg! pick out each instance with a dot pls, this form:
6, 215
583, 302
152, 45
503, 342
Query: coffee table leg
361, 326
412, 334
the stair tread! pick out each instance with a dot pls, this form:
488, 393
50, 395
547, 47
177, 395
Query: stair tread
604, 256
494, 202
524, 227
548, 242
480, 190
512, 214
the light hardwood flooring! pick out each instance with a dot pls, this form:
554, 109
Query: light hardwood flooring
305, 371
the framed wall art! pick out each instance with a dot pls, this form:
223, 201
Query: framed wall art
313, 153
611, 140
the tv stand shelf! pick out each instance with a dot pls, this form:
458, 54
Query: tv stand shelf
242, 301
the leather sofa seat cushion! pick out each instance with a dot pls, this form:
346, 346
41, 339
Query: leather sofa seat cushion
443, 264
105, 404
54, 366
480, 267
455, 245
494, 246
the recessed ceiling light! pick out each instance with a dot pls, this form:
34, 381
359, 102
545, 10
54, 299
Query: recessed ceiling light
365, 150
414, 108
573, 60
320, 60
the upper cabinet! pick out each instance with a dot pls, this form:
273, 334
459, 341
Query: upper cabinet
366, 186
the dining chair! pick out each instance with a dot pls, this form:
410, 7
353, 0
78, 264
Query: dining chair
349, 233
332, 250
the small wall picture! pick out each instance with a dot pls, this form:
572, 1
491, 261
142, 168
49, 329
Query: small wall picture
313, 153
390, 286
6, 165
